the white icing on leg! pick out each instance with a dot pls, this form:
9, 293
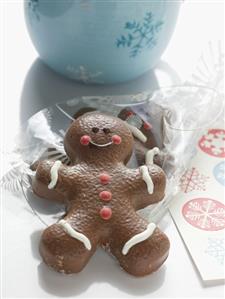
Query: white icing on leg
149, 157
74, 234
147, 178
137, 133
139, 238
54, 174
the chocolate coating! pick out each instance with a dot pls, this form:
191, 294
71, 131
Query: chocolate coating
79, 187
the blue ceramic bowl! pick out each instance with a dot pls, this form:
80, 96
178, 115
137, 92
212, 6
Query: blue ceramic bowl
103, 41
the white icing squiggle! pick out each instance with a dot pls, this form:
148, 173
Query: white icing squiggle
139, 238
147, 178
137, 133
149, 157
54, 174
101, 145
74, 234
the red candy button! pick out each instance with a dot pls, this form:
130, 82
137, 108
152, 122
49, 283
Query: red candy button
85, 140
104, 178
129, 113
147, 126
116, 139
106, 213
105, 195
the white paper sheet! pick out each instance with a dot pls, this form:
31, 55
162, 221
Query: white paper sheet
199, 211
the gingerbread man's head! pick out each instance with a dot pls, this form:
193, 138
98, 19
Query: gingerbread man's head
98, 137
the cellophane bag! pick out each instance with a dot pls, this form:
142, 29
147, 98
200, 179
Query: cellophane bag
177, 116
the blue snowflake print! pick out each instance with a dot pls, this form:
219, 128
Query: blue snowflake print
142, 35
33, 8
216, 249
219, 173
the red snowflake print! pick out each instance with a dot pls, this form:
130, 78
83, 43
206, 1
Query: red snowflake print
192, 180
213, 143
205, 213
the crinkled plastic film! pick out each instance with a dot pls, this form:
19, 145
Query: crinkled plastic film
178, 116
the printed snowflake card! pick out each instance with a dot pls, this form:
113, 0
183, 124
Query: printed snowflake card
199, 211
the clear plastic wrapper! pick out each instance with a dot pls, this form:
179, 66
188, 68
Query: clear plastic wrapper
178, 115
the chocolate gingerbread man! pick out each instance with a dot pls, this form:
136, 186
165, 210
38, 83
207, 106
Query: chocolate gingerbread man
102, 196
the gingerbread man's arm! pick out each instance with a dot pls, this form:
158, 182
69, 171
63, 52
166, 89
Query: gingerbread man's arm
51, 180
147, 185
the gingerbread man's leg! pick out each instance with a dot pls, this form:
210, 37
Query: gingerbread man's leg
140, 247
68, 245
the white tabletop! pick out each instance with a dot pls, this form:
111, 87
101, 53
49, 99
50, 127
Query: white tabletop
30, 86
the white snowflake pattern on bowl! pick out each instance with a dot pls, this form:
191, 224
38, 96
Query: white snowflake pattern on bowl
82, 74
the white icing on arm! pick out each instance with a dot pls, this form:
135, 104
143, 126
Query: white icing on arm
54, 174
147, 178
139, 238
137, 133
74, 234
149, 157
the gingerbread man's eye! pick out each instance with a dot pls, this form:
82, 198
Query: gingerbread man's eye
95, 130
106, 130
